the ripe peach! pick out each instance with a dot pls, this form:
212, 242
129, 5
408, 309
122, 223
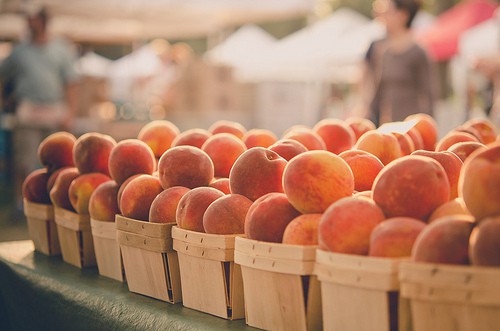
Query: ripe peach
416, 137
59, 193
479, 183
130, 157
383, 145
337, 135
452, 207
464, 149
91, 152
103, 203
346, 225
186, 166
452, 138
405, 142
122, 187
222, 184
395, 237
192, 207
56, 151
232, 127
364, 166
288, 148
413, 186
259, 138
444, 241
451, 164
268, 217
360, 125
315, 179
302, 230
470, 130
53, 176
307, 137
427, 127
158, 135
192, 137
82, 187
35, 187
223, 149
138, 196
256, 172
484, 243
485, 127
164, 206
226, 215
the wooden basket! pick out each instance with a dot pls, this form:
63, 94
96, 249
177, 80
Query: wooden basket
448, 297
107, 250
75, 238
281, 292
150, 263
211, 281
360, 293
41, 227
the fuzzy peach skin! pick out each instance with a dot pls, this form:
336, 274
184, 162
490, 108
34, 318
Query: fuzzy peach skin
484, 243
288, 148
235, 128
227, 214
452, 207
223, 149
360, 125
192, 137
164, 206
91, 152
259, 138
130, 157
302, 230
222, 184
192, 207
56, 151
383, 145
35, 187
428, 129
138, 195
59, 193
158, 135
82, 187
103, 203
364, 166
307, 137
337, 135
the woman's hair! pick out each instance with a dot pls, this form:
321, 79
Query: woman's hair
410, 6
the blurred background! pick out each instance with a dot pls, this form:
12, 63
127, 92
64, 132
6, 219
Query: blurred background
267, 64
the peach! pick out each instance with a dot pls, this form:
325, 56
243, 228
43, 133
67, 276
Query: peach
302, 230
82, 187
192, 137
395, 237
138, 195
35, 187
405, 142
452, 138
307, 137
451, 164
256, 172
186, 166
53, 176
59, 193
192, 207
484, 243
164, 206
444, 241
226, 215
259, 138
383, 145
223, 149
452, 207
268, 217
360, 125
91, 152
103, 203
464, 149
222, 184
427, 127
346, 225
232, 127
288, 148
485, 128
56, 151
416, 137
470, 130
413, 186
130, 157
158, 135
364, 166
313, 180
122, 187
337, 135
479, 183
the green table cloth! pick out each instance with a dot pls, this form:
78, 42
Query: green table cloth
38, 292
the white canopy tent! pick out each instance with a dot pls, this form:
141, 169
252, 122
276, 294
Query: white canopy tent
92, 64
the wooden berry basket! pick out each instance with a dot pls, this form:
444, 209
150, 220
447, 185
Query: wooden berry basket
107, 250
281, 292
75, 238
360, 293
450, 297
150, 263
211, 281
41, 227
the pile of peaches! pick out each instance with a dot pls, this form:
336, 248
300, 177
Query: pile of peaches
343, 184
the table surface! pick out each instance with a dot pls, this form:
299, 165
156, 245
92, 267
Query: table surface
39, 292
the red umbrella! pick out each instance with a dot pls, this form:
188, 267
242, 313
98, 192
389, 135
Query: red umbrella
441, 38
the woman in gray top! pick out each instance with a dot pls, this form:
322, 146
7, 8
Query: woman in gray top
399, 74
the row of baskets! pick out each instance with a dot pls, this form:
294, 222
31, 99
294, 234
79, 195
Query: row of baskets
273, 286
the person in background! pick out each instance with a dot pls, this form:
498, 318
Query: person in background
398, 75
44, 78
